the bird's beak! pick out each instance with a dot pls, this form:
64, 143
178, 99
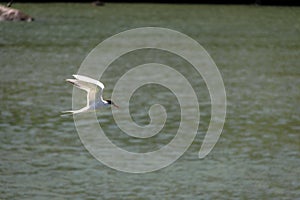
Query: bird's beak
116, 106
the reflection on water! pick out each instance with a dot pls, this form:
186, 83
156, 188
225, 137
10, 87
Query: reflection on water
256, 51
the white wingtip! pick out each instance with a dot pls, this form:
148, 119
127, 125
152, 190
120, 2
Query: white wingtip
89, 80
79, 77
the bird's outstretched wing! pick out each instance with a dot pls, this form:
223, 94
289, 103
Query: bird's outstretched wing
93, 87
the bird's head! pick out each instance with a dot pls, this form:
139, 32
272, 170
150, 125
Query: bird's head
110, 102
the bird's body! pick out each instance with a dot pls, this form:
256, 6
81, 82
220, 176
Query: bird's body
94, 89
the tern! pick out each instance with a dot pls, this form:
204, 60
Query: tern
94, 89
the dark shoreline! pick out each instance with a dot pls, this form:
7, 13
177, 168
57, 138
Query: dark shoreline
245, 2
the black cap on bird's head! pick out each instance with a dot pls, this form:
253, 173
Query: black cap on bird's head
112, 103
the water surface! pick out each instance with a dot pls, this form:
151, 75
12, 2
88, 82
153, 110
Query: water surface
257, 52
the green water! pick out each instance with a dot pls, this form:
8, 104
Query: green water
257, 51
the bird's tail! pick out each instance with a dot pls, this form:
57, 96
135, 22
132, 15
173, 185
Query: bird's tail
73, 112
68, 113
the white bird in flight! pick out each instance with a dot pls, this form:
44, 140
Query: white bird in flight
94, 91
